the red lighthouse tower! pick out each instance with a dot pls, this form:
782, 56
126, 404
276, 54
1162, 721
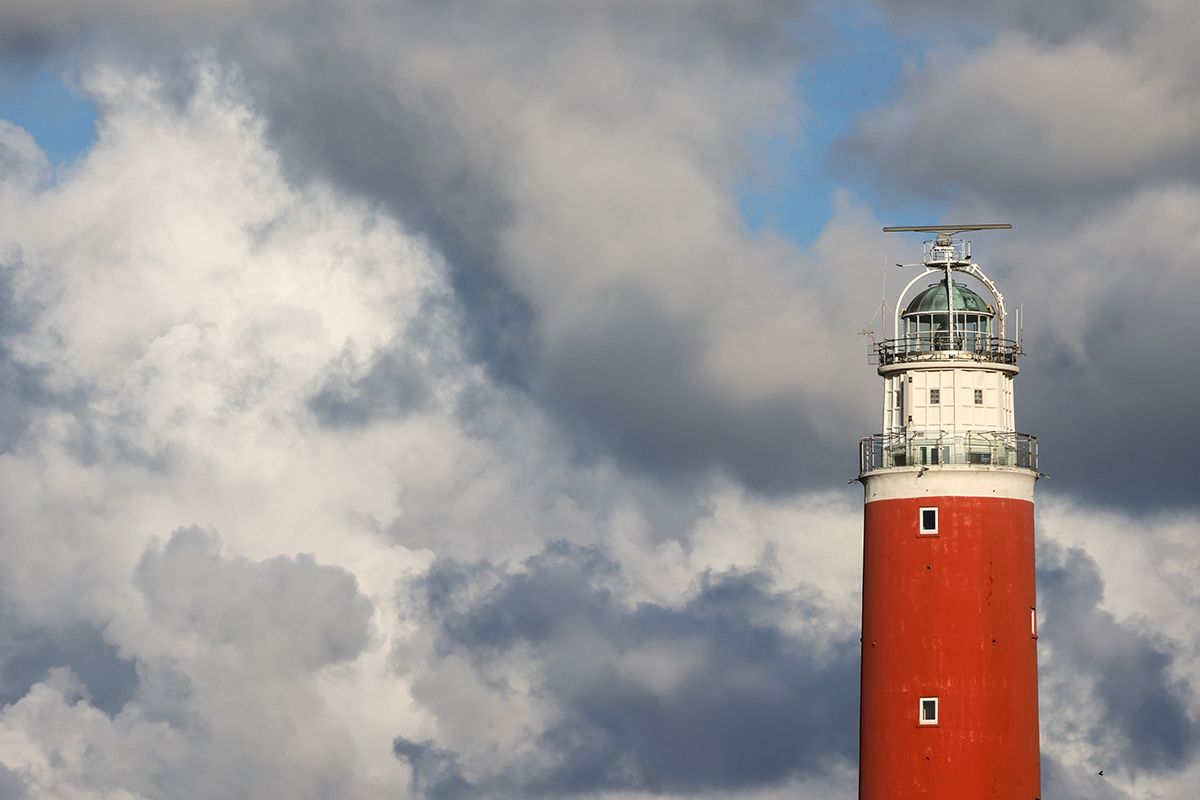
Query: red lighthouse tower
949, 659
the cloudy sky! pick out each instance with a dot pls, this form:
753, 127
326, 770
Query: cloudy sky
457, 399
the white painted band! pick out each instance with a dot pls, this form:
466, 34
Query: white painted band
948, 481
909, 366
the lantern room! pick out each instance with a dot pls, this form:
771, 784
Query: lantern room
926, 319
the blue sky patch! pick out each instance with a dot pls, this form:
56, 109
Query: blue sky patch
798, 177
60, 121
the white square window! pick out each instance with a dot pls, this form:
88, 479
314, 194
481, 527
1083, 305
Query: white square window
979, 397
928, 711
928, 521
935, 397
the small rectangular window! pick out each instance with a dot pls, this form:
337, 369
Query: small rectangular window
935, 397
929, 711
979, 397
1033, 622
929, 520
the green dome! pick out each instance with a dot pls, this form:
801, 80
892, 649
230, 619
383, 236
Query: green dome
933, 300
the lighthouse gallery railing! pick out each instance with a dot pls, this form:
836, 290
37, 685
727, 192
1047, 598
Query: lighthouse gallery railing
938, 345
982, 448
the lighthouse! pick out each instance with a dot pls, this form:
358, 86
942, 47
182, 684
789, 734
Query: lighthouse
949, 704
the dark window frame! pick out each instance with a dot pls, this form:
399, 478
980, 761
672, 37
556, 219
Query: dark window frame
923, 705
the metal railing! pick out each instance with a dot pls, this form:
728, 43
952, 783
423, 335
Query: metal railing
976, 449
940, 345
956, 251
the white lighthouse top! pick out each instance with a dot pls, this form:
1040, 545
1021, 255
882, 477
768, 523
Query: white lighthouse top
948, 369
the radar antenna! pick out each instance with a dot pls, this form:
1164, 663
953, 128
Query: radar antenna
946, 231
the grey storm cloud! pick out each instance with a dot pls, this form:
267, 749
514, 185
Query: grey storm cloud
292, 613
1029, 127
1110, 313
21, 386
1050, 21
226, 665
1065, 107
390, 385
11, 785
1061, 781
740, 686
27, 653
436, 773
589, 274
1142, 722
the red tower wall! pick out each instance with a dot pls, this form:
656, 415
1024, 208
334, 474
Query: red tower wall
949, 616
